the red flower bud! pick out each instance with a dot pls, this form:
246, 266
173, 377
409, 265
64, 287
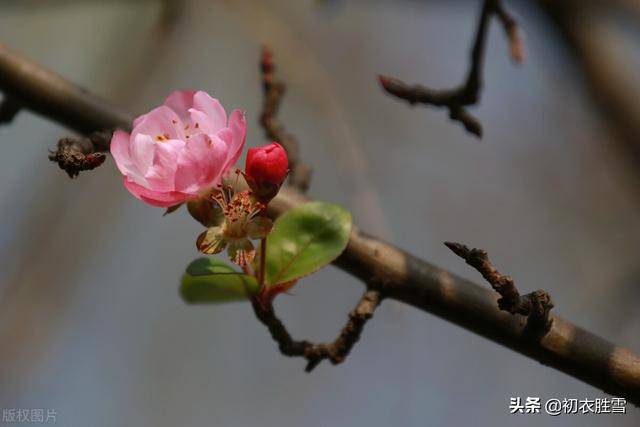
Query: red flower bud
266, 168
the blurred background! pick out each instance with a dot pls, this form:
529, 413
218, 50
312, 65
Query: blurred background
91, 324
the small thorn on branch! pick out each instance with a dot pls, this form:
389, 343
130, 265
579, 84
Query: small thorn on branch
535, 305
456, 99
337, 351
273, 91
9, 108
74, 155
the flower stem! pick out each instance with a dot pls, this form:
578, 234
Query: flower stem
263, 263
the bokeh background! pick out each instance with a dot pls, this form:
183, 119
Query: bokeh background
91, 324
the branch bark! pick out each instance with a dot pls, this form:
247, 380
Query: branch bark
385, 268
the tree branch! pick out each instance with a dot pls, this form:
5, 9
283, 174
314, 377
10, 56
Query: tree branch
385, 268
337, 351
51, 96
456, 99
273, 90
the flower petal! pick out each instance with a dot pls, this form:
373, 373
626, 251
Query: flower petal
180, 101
156, 198
161, 175
142, 150
212, 108
238, 127
139, 119
161, 124
200, 163
201, 122
120, 152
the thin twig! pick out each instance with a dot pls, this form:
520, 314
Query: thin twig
273, 90
535, 306
337, 351
456, 99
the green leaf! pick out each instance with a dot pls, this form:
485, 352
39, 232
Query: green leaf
210, 280
304, 239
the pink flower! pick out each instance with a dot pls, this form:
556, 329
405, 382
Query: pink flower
180, 150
